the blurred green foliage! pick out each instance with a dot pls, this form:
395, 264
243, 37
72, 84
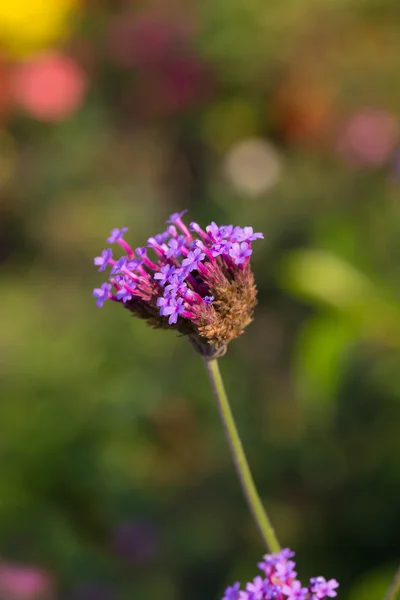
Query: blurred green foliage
115, 475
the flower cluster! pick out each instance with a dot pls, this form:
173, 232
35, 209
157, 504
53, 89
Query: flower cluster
279, 582
196, 281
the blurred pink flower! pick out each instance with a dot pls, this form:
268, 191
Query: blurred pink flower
177, 86
369, 138
143, 41
50, 87
18, 582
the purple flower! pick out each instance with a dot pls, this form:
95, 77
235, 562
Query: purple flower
322, 588
173, 309
192, 260
239, 252
175, 246
116, 235
232, 592
103, 260
164, 274
102, 293
188, 284
295, 591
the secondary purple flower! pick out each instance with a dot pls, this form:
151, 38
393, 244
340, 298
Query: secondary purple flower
232, 592
279, 582
322, 588
295, 591
102, 294
164, 274
103, 260
198, 282
239, 252
116, 235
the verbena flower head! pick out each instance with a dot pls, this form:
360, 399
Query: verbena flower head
196, 281
279, 582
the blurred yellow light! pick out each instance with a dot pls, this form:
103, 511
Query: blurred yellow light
30, 25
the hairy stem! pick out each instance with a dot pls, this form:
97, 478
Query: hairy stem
394, 588
239, 458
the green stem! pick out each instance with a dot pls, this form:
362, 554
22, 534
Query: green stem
239, 458
394, 588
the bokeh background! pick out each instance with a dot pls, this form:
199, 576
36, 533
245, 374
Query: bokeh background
115, 478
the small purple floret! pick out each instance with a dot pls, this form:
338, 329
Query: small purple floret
174, 308
221, 248
239, 252
232, 592
141, 252
322, 588
176, 246
116, 235
119, 265
134, 264
295, 591
245, 234
175, 217
102, 294
193, 258
102, 261
208, 299
285, 570
123, 295
162, 237
164, 274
